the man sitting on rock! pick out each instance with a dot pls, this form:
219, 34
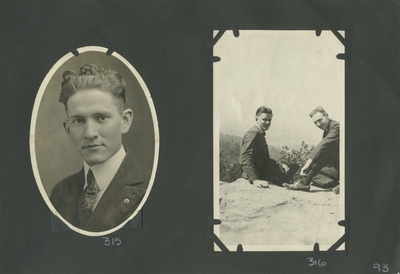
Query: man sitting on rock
322, 167
257, 166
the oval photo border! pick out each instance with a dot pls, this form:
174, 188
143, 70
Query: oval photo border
33, 135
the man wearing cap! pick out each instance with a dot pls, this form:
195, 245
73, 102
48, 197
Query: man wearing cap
322, 166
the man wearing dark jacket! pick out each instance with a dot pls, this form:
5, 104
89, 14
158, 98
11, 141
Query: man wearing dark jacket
257, 166
322, 167
112, 183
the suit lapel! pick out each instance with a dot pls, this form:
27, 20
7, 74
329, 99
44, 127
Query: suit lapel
121, 197
328, 129
263, 143
75, 191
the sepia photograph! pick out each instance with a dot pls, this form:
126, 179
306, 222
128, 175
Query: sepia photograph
279, 114
94, 141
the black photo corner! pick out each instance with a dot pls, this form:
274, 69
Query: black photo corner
170, 44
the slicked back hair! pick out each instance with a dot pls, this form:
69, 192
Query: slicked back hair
92, 77
263, 109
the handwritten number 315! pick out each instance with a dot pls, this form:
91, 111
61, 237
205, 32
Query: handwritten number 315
112, 241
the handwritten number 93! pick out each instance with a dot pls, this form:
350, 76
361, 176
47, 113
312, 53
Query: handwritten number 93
381, 267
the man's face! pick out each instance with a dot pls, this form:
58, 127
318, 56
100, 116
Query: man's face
264, 121
95, 124
321, 120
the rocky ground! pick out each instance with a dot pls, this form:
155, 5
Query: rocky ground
278, 219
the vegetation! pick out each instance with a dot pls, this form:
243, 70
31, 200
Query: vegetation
295, 156
229, 151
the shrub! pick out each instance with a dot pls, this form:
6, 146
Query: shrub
291, 156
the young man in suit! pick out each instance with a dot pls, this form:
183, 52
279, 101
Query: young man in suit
111, 184
257, 165
322, 167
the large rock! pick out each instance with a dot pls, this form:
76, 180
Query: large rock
278, 219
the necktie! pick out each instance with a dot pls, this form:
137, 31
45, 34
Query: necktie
87, 199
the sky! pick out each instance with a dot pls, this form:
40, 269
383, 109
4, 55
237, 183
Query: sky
292, 72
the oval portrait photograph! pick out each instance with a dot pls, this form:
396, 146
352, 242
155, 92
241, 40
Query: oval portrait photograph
94, 141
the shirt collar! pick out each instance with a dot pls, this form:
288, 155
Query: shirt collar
105, 172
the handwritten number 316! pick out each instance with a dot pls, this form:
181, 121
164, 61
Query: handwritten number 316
314, 262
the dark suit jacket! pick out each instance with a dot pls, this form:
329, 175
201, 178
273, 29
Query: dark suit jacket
327, 151
129, 184
254, 155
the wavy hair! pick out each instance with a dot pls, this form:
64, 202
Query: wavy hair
92, 77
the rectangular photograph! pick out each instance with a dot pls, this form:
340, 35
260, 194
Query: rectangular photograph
279, 114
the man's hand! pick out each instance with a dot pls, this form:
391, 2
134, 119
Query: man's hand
261, 183
284, 168
306, 168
